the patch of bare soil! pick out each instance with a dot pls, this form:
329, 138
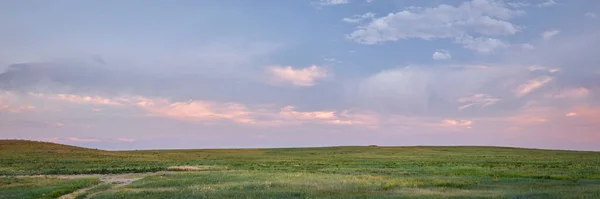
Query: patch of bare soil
187, 168
117, 181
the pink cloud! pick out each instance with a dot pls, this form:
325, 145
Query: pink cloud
126, 139
75, 139
532, 116
532, 85
573, 93
298, 77
328, 117
196, 110
289, 112
6, 107
86, 99
586, 113
457, 123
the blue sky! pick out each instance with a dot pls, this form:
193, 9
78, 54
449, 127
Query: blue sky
213, 74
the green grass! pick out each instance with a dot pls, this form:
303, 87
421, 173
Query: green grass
244, 184
97, 189
328, 172
41, 187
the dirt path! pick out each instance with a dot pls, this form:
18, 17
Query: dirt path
113, 180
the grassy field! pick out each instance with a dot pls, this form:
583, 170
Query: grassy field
41, 187
329, 172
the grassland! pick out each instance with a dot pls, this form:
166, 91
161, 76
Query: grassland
329, 172
41, 187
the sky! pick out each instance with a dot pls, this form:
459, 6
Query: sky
301, 73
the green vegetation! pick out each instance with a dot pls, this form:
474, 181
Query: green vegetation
41, 187
260, 184
328, 172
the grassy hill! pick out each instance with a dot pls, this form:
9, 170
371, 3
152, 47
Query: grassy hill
31, 157
334, 172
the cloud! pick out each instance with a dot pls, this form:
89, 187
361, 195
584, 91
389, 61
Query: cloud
86, 99
591, 15
418, 90
573, 93
571, 114
518, 4
481, 17
75, 139
547, 3
527, 46
544, 69
331, 2
482, 100
290, 115
16, 109
441, 55
298, 77
587, 114
532, 85
196, 110
126, 139
481, 44
87, 140
532, 115
370, 1
457, 123
6, 104
359, 18
549, 34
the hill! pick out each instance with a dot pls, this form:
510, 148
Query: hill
19, 157
325, 172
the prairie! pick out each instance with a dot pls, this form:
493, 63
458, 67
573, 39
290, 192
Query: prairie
326, 172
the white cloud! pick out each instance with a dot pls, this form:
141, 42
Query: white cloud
359, 18
542, 68
482, 17
370, 1
422, 90
298, 77
481, 44
478, 99
549, 34
547, 3
330, 59
518, 4
527, 46
441, 55
332, 2
591, 15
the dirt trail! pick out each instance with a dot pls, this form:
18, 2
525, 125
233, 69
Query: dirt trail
114, 180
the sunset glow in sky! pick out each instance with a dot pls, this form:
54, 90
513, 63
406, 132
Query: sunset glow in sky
211, 74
